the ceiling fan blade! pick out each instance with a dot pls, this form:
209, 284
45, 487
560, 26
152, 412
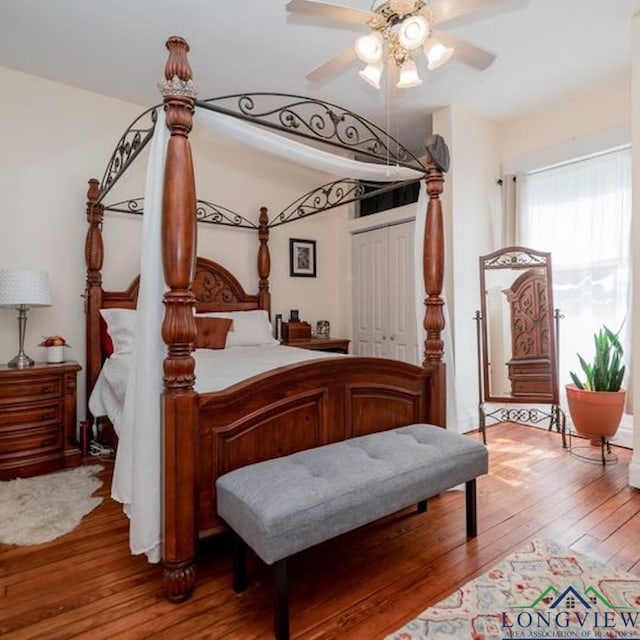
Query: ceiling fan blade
331, 11
332, 66
452, 13
466, 52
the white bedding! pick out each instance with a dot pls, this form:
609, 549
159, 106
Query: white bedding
216, 369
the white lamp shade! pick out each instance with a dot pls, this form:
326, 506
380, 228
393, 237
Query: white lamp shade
28, 287
413, 32
437, 54
371, 74
409, 75
369, 48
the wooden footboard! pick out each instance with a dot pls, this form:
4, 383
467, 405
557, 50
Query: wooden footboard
302, 406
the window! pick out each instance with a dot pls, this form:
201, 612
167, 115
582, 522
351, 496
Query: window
581, 213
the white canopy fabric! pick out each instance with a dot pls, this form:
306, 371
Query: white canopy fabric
137, 473
299, 153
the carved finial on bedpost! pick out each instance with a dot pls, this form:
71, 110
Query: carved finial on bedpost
177, 88
180, 411
264, 260
93, 257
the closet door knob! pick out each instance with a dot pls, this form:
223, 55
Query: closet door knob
392, 338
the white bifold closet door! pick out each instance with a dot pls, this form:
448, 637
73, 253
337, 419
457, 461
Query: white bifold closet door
383, 293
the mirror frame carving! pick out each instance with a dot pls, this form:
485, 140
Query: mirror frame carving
518, 258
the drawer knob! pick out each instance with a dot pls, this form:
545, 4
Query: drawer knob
46, 389
47, 442
47, 416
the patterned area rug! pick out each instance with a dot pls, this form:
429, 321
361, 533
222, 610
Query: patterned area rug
43, 508
543, 590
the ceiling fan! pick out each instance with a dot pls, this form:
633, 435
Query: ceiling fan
400, 31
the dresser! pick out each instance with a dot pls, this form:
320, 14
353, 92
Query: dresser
38, 419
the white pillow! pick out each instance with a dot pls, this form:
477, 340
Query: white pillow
249, 328
121, 324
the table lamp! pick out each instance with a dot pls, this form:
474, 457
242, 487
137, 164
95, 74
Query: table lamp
21, 289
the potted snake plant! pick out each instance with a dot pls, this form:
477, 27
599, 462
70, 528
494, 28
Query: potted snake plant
596, 404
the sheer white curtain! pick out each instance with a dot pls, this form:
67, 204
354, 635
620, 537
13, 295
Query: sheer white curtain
581, 213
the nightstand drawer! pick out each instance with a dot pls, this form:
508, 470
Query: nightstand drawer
32, 440
41, 388
38, 419
38, 414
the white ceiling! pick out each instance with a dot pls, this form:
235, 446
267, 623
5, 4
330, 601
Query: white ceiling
548, 51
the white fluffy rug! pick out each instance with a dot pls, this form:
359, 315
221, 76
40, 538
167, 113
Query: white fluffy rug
43, 508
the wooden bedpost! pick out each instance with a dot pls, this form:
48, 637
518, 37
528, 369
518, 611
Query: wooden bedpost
433, 267
264, 260
179, 404
93, 258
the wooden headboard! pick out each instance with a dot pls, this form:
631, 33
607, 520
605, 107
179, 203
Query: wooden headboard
214, 287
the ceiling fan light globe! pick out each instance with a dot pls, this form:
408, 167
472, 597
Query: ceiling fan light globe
369, 48
437, 54
371, 74
413, 32
409, 76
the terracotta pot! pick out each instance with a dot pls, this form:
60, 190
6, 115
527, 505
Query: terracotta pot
595, 414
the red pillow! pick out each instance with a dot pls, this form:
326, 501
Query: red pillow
212, 332
106, 343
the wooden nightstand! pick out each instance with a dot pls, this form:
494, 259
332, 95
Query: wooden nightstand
338, 345
38, 419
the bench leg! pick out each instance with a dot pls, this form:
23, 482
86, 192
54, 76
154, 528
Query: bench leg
422, 506
281, 618
472, 513
239, 564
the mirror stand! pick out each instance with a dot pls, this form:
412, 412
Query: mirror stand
517, 336
520, 415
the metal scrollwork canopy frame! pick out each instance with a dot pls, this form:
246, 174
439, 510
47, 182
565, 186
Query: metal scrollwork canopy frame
314, 120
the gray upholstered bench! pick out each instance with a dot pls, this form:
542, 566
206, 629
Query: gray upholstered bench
282, 506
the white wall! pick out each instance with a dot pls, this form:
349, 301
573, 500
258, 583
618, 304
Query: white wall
471, 204
583, 125
56, 137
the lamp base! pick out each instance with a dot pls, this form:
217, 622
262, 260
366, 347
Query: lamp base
21, 361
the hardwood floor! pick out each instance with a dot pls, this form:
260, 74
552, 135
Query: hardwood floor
362, 585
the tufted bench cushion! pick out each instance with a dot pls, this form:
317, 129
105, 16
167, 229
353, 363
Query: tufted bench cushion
285, 505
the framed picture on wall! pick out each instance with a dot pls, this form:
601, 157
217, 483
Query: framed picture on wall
302, 258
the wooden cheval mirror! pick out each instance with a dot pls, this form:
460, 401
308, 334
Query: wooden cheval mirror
517, 340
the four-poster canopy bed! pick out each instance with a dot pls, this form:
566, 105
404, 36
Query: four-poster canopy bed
297, 406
